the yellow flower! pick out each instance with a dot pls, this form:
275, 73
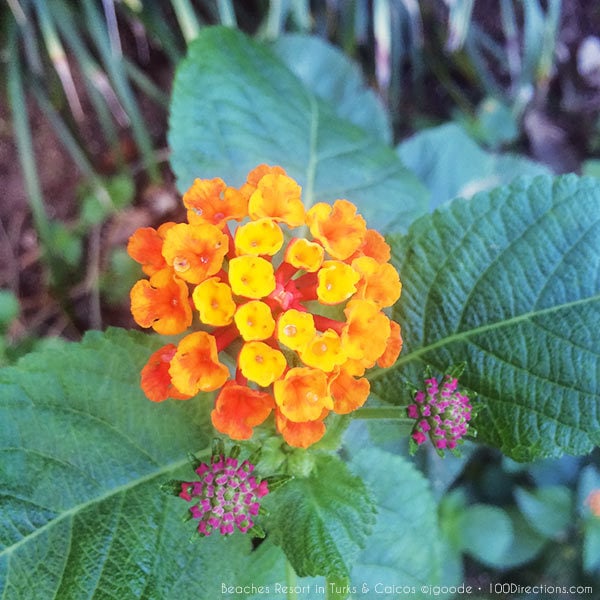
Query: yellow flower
305, 255
295, 328
254, 321
261, 363
337, 282
263, 236
251, 276
324, 351
214, 302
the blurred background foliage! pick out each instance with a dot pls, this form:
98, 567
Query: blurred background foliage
84, 162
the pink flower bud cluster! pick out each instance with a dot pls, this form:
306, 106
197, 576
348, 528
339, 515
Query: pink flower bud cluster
225, 497
443, 414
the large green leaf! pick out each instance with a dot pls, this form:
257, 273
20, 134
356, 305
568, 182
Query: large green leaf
332, 516
332, 76
404, 549
82, 457
510, 283
236, 105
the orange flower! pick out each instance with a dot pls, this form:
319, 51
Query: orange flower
339, 228
277, 196
393, 347
366, 331
212, 201
256, 175
145, 247
156, 382
378, 282
195, 251
195, 366
348, 393
238, 409
299, 435
161, 303
375, 246
302, 394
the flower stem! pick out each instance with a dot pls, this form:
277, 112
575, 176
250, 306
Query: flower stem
395, 413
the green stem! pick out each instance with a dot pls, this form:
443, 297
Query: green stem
395, 413
186, 17
291, 580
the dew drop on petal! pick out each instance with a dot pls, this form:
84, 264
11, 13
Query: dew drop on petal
290, 330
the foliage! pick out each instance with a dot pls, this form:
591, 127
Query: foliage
505, 280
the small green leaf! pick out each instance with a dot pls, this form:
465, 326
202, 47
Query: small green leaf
65, 243
527, 543
117, 281
508, 282
9, 308
486, 532
451, 164
235, 105
332, 517
591, 544
548, 509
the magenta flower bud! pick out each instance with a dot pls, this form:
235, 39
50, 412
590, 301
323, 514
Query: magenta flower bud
442, 413
217, 503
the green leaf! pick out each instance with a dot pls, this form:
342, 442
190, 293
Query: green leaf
451, 164
332, 517
591, 544
548, 509
82, 457
404, 549
333, 77
235, 105
9, 308
509, 283
485, 532
527, 543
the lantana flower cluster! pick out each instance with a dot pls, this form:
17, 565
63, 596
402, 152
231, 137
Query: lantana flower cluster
442, 414
303, 315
